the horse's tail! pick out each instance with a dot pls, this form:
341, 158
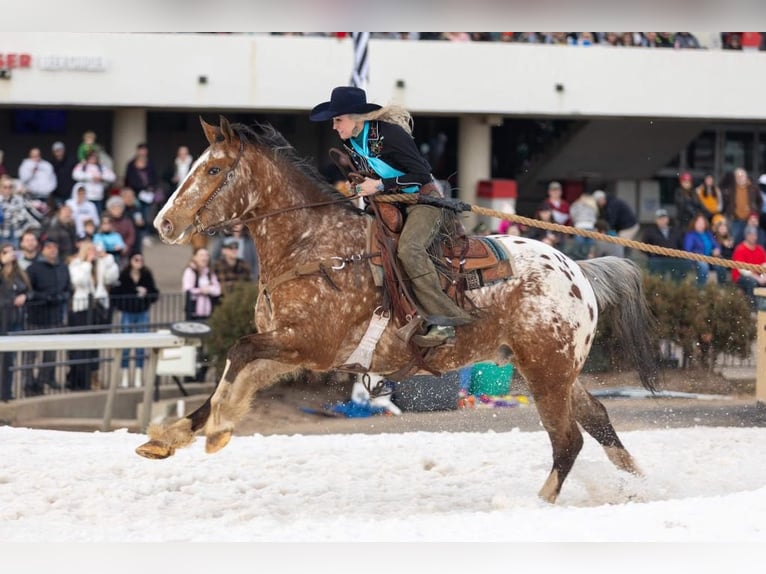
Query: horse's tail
619, 290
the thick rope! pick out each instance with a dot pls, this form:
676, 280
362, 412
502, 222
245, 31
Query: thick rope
680, 253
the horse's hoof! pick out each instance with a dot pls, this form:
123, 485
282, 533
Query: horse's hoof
155, 449
217, 441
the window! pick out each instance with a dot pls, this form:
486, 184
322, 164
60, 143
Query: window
39, 121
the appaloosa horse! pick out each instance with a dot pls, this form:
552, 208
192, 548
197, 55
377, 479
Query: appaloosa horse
320, 297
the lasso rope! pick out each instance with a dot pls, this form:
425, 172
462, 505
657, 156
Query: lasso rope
680, 253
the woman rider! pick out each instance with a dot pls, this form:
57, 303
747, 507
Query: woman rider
379, 140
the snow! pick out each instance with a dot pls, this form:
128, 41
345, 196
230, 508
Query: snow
701, 485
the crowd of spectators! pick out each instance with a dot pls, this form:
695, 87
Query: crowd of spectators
679, 40
725, 220
71, 257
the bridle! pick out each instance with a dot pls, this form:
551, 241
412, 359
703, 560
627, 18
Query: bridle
226, 181
212, 229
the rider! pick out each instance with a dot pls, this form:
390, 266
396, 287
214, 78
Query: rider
379, 140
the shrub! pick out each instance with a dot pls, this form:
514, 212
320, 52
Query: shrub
231, 319
703, 322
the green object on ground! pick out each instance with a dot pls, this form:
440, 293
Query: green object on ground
491, 379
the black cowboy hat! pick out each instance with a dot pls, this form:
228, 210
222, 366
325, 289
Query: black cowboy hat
343, 100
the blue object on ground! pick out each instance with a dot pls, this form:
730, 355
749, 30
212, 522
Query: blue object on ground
354, 410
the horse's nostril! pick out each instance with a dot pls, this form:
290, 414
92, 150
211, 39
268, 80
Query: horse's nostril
166, 226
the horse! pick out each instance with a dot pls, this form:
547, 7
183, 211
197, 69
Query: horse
318, 295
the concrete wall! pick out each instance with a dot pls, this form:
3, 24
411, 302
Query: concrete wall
294, 73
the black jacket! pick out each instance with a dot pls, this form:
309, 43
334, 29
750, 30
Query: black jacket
390, 143
125, 297
674, 240
64, 180
51, 289
618, 214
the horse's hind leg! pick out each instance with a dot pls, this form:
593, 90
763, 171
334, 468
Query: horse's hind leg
552, 399
592, 415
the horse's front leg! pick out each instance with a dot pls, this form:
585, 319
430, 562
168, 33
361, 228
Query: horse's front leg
252, 364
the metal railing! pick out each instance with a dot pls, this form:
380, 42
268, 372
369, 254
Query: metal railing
24, 368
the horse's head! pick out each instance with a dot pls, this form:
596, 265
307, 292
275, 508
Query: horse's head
191, 207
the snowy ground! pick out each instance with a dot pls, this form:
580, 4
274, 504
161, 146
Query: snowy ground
701, 484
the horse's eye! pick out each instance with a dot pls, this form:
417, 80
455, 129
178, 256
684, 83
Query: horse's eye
214, 171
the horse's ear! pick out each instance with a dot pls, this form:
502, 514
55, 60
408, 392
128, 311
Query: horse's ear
226, 130
212, 133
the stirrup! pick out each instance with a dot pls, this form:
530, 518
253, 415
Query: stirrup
405, 333
436, 335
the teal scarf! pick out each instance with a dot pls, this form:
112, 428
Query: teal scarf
385, 171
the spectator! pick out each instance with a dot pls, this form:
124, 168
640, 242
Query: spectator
628, 39
87, 145
732, 40
246, 250
584, 214
14, 287
49, 279
133, 295
133, 211
3, 170
108, 239
62, 229
229, 268
202, 291
63, 166
92, 272
29, 249
618, 215
122, 224
687, 40
605, 248
726, 242
752, 220
141, 177
96, 178
200, 285
544, 213
17, 214
762, 189
90, 229
749, 252
456, 36
709, 197
83, 209
665, 40
610, 38
37, 176
559, 206
180, 169
740, 199
699, 239
662, 234
687, 200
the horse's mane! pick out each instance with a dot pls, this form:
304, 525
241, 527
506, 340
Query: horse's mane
266, 136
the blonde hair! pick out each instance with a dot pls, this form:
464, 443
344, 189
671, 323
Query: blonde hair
393, 114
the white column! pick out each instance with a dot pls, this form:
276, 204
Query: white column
128, 131
474, 160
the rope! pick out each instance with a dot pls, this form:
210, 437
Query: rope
680, 253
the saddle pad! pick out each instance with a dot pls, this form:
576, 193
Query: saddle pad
482, 253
